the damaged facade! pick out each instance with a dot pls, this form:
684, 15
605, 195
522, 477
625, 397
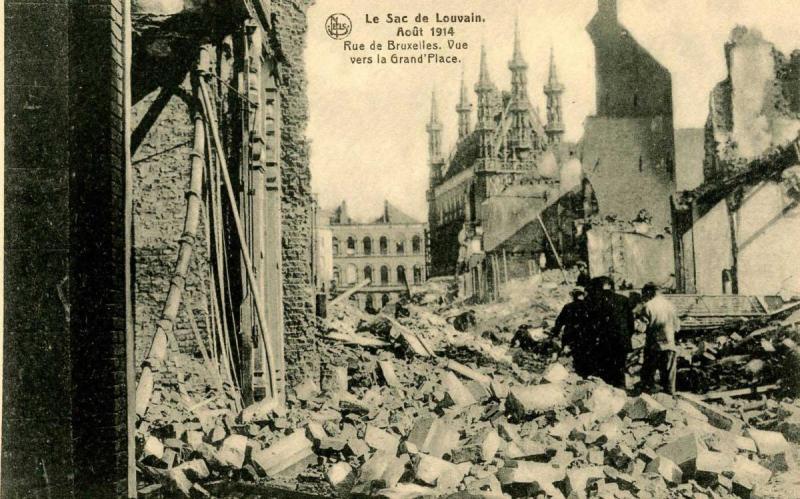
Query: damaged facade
388, 251
249, 55
732, 233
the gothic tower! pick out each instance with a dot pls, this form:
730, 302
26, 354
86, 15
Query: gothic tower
520, 105
463, 108
484, 88
553, 90
434, 129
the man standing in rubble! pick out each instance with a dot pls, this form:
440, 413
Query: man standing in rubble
616, 318
660, 320
570, 324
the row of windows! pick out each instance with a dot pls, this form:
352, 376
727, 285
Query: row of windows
350, 275
383, 246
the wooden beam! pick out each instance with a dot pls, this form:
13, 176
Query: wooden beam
347, 294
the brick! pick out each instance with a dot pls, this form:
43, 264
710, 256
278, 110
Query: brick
666, 468
645, 407
455, 393
529, 401
288, 455
434, 436
381, 440
683, 452
232, 451
768, 443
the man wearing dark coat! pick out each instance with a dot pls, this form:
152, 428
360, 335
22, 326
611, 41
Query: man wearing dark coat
571, 325
615, 343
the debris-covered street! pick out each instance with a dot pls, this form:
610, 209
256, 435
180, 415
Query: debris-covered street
407, 405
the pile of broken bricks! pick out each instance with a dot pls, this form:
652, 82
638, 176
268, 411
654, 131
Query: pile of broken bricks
379, 421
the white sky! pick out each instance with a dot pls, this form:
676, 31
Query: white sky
367, 123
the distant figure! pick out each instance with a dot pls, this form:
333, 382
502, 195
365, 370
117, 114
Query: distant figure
661, 322
570, 325
615, 343
583, 276
542, 262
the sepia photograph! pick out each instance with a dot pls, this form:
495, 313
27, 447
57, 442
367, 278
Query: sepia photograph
401, 249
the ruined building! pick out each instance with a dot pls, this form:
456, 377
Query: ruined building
389, 251
499, 175
110, 155
627, 149
738, 231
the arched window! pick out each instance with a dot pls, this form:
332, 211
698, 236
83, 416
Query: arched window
384, 244
401, 274
384, 275
337, 275
384, 300
400, 247
417, 274
416, 245
351, 245
351, 273
335, 247
367, 242
368, 273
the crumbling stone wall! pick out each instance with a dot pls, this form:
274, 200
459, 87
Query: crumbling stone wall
161, 168
297, 201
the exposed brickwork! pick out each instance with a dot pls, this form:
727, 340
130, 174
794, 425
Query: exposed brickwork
297, 200
161, 168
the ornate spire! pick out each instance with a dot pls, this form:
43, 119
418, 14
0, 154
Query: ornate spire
484, 88
553, 90
464, 108
519, 68
434, 129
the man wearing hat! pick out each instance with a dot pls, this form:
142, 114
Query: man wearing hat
571, 325
661, 322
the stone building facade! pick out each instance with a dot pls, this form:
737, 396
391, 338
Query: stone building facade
389, 251
511, 157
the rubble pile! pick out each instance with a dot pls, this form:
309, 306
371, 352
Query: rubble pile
747, 354
407, 406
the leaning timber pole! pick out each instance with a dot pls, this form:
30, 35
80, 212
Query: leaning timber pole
158, 349
251, 279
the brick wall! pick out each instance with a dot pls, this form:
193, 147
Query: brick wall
297, 200
161, 167
64, 407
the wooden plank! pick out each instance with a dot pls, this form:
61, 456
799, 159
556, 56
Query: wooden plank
347, 294
753, 390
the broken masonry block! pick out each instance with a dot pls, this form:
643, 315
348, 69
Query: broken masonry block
555, 373
524, 402
286, 456
710, 465
645, 407
748, 474
357, 447
395, 469
579, 479
381, 440
716, 418
519, 472
455, 393
480, 447
388, 373
683, 452
434, 436
438, 472
373, 468
768, 443
469, 373
153, 447
178, 479
666, 469
315, 431
604, 402
508, 431
341, 476
232, 451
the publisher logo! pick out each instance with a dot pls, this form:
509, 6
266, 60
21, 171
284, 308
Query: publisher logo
338, 26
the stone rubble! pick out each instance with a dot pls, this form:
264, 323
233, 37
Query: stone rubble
380, 420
